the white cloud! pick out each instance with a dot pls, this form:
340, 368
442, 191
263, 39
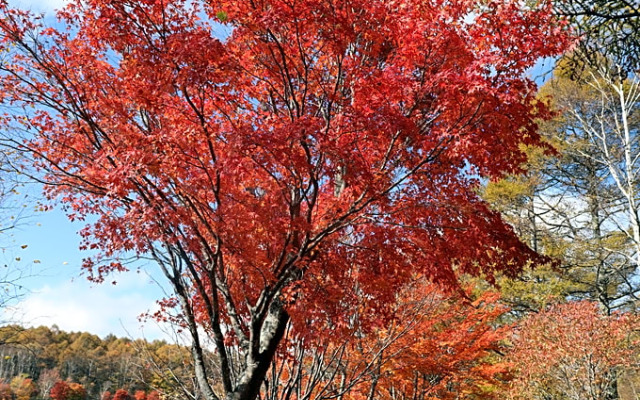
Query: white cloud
43, 6
77, 305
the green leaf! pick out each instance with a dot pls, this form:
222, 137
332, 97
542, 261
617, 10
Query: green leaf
222, 16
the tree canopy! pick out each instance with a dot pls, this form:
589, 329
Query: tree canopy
285, 162
607, 29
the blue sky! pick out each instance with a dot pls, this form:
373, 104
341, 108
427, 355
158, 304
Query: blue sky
56, 293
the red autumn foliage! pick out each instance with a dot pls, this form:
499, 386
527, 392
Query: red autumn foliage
5, 391
439, 347
573, 349
317, 157
447, 353
60, 391
121, 394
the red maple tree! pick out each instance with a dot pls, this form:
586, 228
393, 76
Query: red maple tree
60, 391
281, 160
121, 394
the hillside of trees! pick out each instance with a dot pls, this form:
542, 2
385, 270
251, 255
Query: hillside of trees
34, 360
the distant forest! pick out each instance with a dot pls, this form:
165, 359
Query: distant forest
47, 363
